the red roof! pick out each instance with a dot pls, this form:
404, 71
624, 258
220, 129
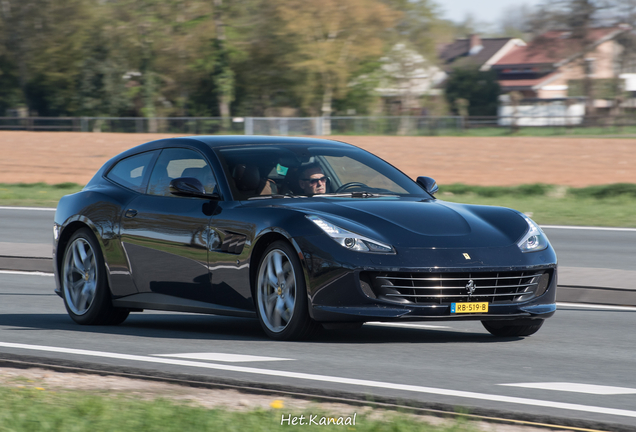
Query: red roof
554, 46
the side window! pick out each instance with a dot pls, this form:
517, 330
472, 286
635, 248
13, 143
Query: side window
178, 162
130, 172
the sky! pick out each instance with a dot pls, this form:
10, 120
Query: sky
482, 10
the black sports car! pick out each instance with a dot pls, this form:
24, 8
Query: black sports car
297, 232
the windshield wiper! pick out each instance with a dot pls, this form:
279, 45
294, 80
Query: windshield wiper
357, 194
274, 196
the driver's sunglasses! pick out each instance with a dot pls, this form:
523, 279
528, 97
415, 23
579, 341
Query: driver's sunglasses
314, 181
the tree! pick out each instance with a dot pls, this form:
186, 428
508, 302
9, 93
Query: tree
330, 40
160, 41
407, 75
516, 21
420, 25
43, 42
223, 74
479, 88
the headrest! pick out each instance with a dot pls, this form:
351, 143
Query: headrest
192, 172
246, 177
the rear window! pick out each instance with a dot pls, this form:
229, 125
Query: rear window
130, 172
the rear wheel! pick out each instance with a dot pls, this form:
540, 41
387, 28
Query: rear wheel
281, 295
513, 328
84, 287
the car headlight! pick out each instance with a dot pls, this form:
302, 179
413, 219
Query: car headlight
534, 239
351, 240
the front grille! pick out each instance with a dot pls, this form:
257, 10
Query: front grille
443, 288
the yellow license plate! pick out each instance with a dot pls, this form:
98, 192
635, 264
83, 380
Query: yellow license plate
472, 307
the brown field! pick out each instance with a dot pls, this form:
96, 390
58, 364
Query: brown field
57, 157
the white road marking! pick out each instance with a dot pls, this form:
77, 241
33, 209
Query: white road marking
596, 306
222, 357
407, 325
588, 228
576, 388
28, 208
25, 273
331, 379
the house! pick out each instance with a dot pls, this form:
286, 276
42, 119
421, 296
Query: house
405, 77
476, 52
554, 64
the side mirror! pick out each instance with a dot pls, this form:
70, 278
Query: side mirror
190, 187
428, 184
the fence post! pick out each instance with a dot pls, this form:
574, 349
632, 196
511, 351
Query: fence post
84, 124
318, 130
249, 126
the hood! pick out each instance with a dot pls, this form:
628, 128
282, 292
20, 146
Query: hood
416, 222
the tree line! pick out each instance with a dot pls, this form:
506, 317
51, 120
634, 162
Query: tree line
208, 57
199, 57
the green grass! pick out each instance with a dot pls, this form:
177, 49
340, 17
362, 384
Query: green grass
543, 131
35, 194
493, 131
32, 409
607, 205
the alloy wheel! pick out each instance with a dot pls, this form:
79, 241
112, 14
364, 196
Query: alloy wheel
276, 290
79, 276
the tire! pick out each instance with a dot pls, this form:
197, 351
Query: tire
513, 328
84, 287
281, 295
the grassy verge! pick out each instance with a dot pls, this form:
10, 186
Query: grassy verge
35, 194
544, 131
35, 409
609, 205
503, 131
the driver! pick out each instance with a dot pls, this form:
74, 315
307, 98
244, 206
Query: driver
312, 180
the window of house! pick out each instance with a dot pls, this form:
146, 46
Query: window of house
590, 66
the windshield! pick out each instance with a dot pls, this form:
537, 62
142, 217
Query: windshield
310, 170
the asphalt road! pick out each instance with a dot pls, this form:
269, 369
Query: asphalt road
579, 366
594, 247
598, 257
583, 248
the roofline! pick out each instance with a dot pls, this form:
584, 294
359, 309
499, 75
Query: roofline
604, 39
509, 39
567, 60
547, 81
500, 53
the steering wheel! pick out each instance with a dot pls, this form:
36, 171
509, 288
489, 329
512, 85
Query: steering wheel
350, 185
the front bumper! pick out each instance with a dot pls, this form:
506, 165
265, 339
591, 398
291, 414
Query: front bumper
339, 291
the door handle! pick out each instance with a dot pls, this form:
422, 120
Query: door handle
130, 213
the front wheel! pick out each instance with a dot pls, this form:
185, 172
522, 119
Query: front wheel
84, 287
513, 328
281, 296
